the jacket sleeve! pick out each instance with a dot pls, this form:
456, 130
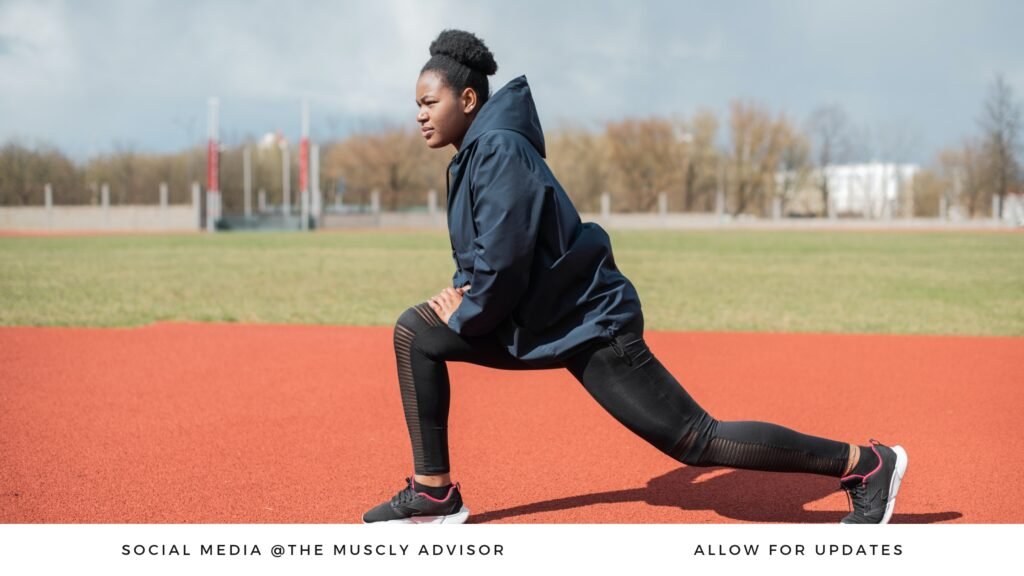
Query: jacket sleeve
460, 278
507, 212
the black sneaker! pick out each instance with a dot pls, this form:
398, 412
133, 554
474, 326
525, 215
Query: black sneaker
412, 507
873, 495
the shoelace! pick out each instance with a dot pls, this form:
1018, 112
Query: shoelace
405, 494
858, 497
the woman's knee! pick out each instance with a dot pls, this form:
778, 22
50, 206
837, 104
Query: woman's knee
419, 330
691, 445
409, 319
416, 318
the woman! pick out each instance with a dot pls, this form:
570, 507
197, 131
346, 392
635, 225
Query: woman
535, 288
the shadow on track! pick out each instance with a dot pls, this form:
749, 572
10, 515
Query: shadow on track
745, 495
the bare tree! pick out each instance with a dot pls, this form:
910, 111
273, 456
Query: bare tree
702, 162
965, 181
646, 158
395, 161
121, 170
757, 144
1001, 126
829, 130
928, 186
25, 171
14, 174
577, 157
794, 163
267, 170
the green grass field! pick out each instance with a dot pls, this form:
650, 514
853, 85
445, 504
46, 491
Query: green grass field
922, 283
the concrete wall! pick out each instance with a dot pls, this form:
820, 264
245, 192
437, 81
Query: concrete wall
386, 220
185, 218
675, 221
98, 218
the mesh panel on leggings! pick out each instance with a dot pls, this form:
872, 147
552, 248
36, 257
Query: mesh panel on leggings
682, 448
757, 456
403, 354
428, 314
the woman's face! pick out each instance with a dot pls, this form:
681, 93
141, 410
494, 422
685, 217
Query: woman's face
443, 117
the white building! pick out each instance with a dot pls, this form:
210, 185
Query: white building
874, 190
1013, 209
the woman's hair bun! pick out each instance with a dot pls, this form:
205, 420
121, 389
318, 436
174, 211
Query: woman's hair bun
465, 48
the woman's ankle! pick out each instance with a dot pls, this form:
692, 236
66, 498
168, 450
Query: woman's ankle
852, 460
436, 480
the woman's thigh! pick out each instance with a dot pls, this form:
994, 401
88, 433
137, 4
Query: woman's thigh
436, 340
634, 387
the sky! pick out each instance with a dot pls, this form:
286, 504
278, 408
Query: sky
95, 76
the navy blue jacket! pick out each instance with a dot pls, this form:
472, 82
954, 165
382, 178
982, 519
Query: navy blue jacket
542, 280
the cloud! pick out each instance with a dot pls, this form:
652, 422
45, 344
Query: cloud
8, 45
84, 74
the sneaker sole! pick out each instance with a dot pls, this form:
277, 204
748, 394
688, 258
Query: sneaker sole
894, 484
459, 517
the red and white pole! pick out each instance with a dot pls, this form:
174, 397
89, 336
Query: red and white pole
304, 149
304, 164
212, 164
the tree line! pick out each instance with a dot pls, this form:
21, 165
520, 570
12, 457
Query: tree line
769, 155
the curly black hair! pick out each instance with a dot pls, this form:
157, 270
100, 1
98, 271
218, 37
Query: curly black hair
463, 61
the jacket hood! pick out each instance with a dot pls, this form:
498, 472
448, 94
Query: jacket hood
510, 108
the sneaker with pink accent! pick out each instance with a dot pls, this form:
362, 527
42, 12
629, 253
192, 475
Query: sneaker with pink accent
412, 507
873, 495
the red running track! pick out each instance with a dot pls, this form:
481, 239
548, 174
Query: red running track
222, 423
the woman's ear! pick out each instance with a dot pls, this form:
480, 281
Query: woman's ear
468, 100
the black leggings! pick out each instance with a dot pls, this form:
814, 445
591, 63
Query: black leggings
623, 376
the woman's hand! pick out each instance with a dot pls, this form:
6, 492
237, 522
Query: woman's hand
447, 301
